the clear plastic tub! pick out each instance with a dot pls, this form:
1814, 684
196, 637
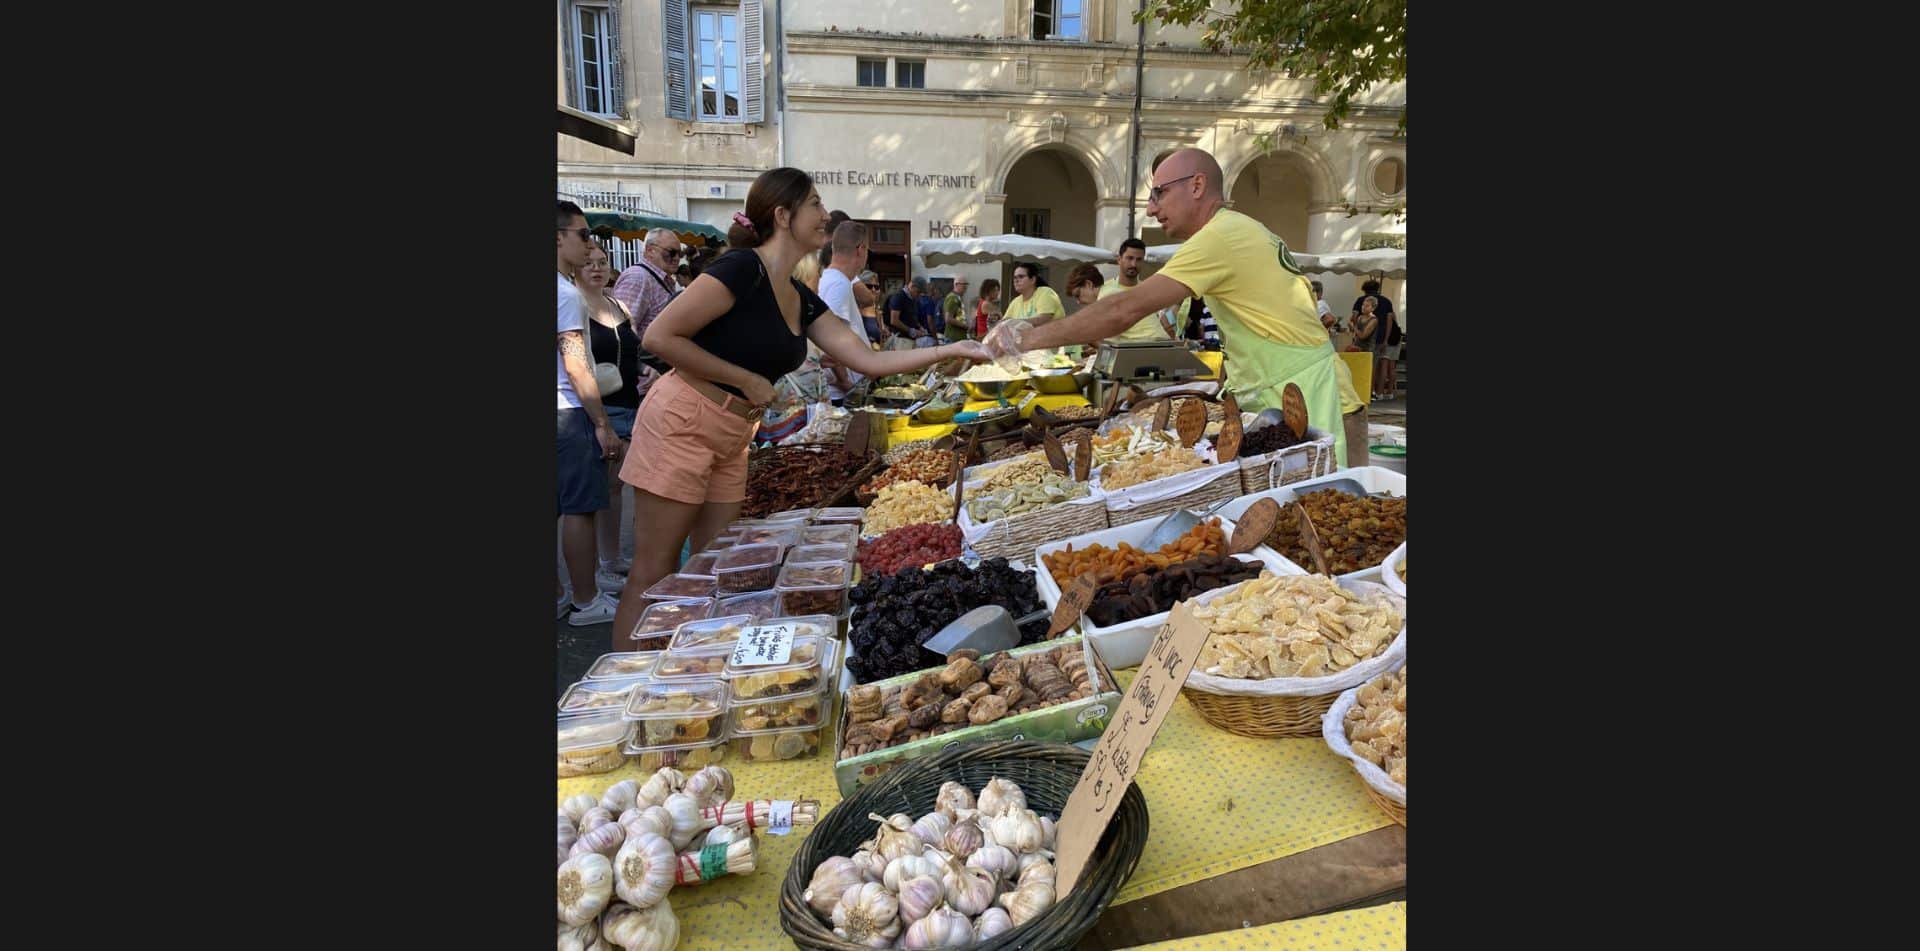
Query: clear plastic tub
701, 564
693, 663
760, 605
723, 629
838, 534
594, 695
836, 516
748, 567
658, 621
779, 713
592, 743
831, 551
681, 587
672, 714
783, 534
790, 515
807, 667
722, 542
622, 665
754, 746
685, 757
814, 587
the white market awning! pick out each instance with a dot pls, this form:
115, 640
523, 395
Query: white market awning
1008, 248
1387, 262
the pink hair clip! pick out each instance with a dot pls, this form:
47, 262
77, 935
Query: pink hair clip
743, 221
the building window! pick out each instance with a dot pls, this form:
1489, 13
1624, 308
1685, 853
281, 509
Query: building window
1059, 19
909, 75
872, 72
1390, 177
716, 63
1033, 222
593, 46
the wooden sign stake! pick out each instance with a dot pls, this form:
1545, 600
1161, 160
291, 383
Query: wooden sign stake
1293, 405
1073, 603
1310, 537
1253, 526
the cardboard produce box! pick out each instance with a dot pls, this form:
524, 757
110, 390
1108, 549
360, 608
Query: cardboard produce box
1061, 723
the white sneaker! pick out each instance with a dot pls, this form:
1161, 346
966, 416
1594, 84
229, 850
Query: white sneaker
566, 604
609, 582
598, 611
618, 566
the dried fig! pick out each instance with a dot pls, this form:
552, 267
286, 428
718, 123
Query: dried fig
960, 674
987, 709
924, 716
975, 692
955, 712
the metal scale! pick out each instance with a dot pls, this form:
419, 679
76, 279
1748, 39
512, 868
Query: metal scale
1148, 364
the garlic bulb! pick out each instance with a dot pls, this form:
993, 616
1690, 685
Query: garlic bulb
577, 806
619, 797
594, 818
567, 832
895, 837
641, 929
867, 914
831, 879
941, 928
1040, 871
586, 883
712, 785
964, 838
664, 782
643, 870
576, 938
687, 818
999, 796
952, 798
932, 827
991, 924
600, 944
1025, 903
654, 819
969, 890
872, 867
996, 859
910, 866
605, 839
1017, 829
723, 834
918, 896
1047, 832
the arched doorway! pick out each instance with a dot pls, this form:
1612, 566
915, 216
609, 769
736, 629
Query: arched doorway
1276, 191
1050, 194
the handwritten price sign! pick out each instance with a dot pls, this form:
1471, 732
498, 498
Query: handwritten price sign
1121, 748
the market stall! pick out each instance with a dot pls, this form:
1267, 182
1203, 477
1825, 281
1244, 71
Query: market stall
777, 755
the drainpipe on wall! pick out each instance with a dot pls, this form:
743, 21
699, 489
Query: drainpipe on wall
780, 81
1139, 75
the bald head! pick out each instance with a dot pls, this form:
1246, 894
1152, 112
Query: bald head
1186, 192
1194, 162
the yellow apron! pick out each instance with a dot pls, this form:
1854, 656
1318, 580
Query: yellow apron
1258, 373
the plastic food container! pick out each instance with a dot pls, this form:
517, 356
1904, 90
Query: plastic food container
594, 695
807, 667
780, 713
708, 662
814, 587
622, 665
681, 587
790, 515
658, 621
672, 714
701, 564
787, 743
715, 630
832, 551
840, 534
783, 535
722, 542
840, 515
760, 605
592, 743
685, 757
747, 567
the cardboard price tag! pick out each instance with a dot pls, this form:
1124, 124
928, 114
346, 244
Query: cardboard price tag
763, 645
1111, 402
1118, 755
1083, 459
858, 438
1293, 405
1056, 456
1073, 603
1192, 421
1253, 526
1310, 538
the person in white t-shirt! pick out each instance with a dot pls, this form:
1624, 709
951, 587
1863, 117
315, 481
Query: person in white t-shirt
836, 289
585, 435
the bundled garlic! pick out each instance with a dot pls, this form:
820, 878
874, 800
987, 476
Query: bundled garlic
653, 819
577, 806
1025, 903
586, 883
895, 837
918, 896
641, 929
992, 923
1018, 829
577, 938
964, 838
568, 835
689, 819
593, 819
941, 928
643, 870
932, 827
910, 866
867, 914
619, 797
711, 786
996, 859
831, 879
664, 782
999, 796
604, 839
952, 798
738, 857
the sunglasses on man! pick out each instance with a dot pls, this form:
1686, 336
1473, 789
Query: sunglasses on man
583, 233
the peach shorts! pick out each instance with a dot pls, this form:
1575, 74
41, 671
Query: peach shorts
686, 448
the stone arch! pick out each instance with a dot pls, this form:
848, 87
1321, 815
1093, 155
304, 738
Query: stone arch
1321, 188
1105, 177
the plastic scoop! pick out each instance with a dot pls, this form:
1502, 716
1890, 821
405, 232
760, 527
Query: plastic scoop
987, 629
1179, 523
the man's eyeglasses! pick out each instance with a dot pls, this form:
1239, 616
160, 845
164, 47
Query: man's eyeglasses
583, 233
1154, 192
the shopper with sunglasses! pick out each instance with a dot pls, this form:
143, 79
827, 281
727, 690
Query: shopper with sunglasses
584, 434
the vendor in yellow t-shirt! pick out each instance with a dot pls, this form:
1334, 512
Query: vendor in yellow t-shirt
1033, 301
1154, 327
1269, 324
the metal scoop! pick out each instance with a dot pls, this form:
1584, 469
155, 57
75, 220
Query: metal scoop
1178, 524
988, 629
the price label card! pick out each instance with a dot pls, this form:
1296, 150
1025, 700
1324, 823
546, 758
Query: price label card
1073, 603
1117, 757
780, 819
1056, 456
764, 645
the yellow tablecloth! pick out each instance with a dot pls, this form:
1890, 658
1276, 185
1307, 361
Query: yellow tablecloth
1380, 928
1217, 802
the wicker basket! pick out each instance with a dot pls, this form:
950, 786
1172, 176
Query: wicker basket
1019, 535
1261, 716
1046, 772
1297, 463
1220, 488
1394, 810
1333, 730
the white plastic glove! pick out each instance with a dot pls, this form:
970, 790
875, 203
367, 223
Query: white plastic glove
1006, 342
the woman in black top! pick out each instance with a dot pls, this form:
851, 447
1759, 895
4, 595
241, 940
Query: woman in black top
737, 328
610, 327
